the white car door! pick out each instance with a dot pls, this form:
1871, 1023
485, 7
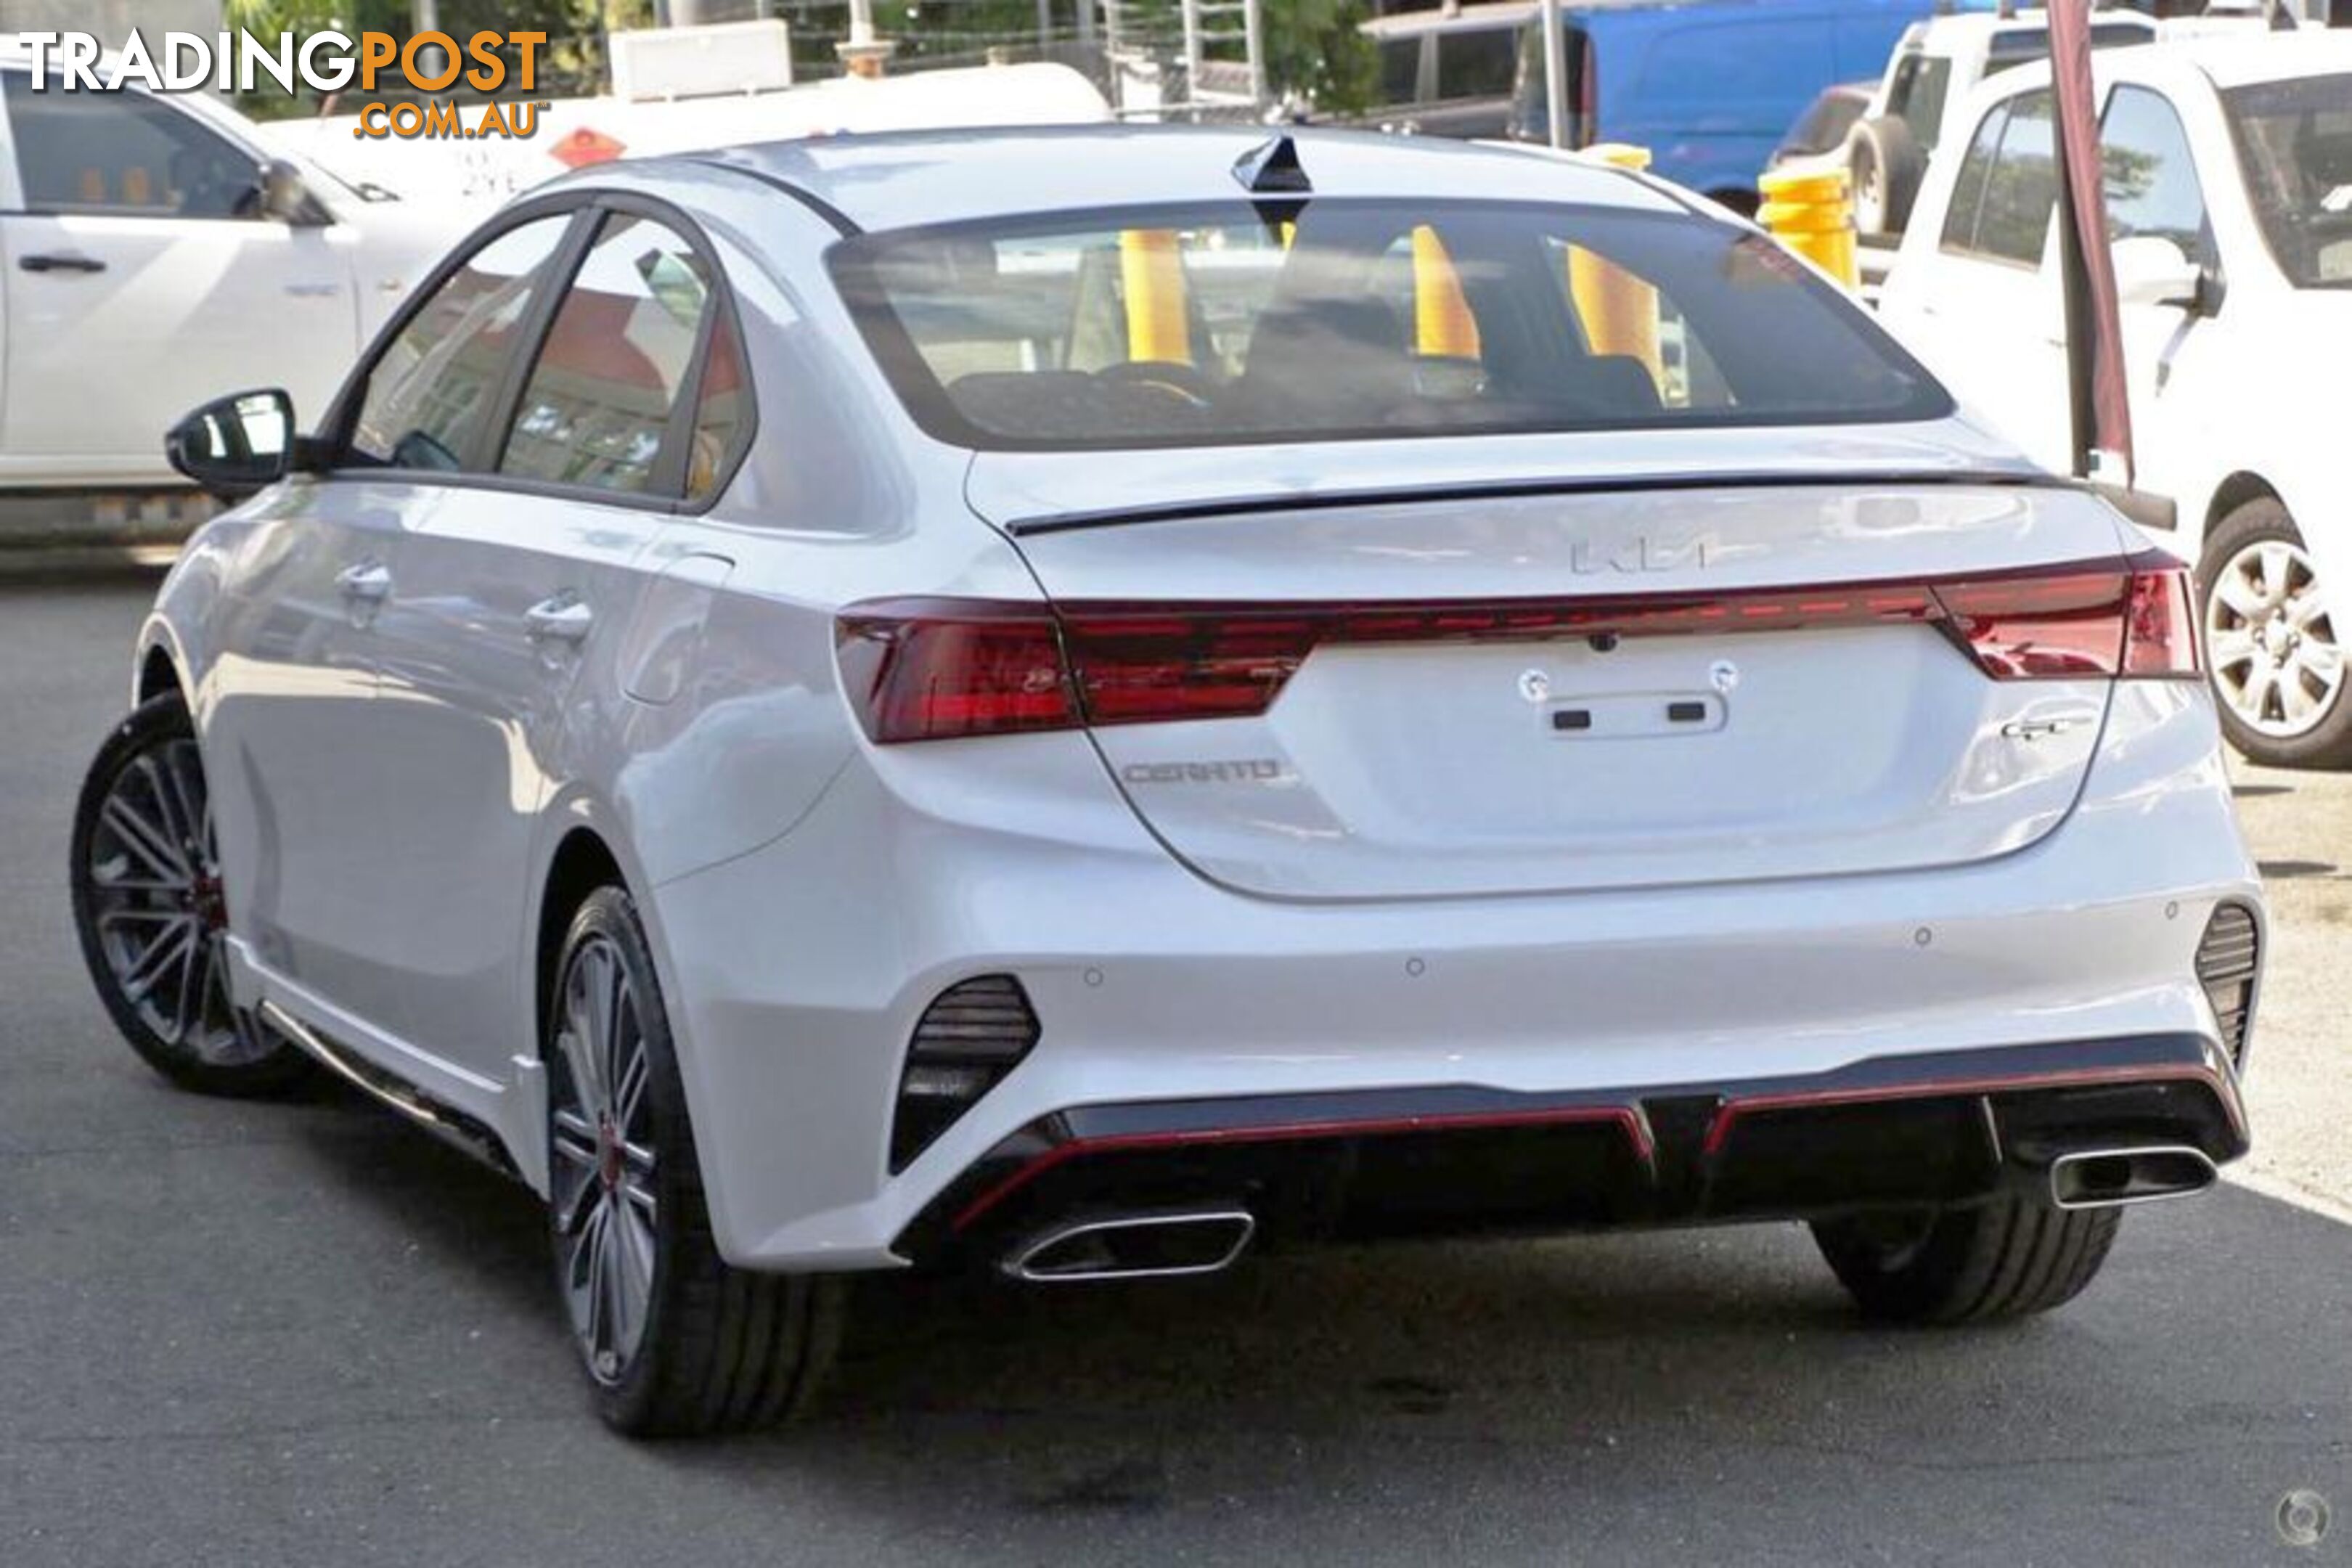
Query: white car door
1977, 298
517, 581
322, 822
142, 281
2153, 191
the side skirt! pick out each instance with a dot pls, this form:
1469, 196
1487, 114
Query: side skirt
489, 1119
446, 1122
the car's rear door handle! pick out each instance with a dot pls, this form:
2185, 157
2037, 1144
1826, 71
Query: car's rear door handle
68, 261
365, 583
563, 618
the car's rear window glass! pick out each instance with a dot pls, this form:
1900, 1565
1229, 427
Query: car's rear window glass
614, 363
1400, 70
720, 416
2022, 189
2015, 48
1476, 64
1360, 320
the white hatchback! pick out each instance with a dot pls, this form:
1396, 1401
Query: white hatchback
2229, 192
1065, 703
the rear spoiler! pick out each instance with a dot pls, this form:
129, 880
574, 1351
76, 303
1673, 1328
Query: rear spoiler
1514, 490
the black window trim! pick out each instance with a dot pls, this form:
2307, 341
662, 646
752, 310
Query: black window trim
586, 210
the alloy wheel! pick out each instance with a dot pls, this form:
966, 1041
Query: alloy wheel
156, 906
601, 1191
2271, 642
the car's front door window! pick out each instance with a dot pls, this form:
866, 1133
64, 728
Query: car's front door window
2150, 175
124, 154
427, 398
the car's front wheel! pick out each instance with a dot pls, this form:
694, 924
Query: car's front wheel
152, 917
2270, 641
2000, 1259
676, 1341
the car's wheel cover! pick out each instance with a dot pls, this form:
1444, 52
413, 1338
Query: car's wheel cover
2275, 659
601, 1174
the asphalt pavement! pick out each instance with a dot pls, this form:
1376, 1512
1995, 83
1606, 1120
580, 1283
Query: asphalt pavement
302, 1333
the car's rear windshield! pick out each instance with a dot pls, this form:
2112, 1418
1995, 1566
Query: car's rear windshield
1360, 320
2016, 47
2294, 143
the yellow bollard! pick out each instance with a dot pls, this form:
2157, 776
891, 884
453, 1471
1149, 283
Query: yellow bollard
1620, 312
1152, 276
1812, 214
1442, 323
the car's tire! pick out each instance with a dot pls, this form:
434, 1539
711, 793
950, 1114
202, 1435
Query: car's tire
2276, 661
2005, 1258
1886, 166
153, 921
675, 1341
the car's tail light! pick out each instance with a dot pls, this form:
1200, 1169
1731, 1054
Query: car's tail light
927, 669
933, 669
2160, 629
2133, 622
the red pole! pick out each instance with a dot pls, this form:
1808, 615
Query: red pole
2095, 358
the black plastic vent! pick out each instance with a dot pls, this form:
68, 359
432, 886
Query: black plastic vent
971, 1035
2228, 961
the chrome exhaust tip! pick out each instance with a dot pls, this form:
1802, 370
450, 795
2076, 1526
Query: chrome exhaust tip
2110, 1178
1155, 1246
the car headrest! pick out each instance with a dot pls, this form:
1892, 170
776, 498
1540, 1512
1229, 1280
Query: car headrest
1304, 336
1619, 383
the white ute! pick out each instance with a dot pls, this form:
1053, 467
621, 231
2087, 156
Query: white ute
2229, 195
154, 251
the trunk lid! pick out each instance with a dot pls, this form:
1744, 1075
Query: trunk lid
1526, 756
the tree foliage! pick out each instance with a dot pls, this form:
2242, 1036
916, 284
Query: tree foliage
1313, 50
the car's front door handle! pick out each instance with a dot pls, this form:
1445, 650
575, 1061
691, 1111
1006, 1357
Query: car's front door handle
563, 618
68, 261
365, 583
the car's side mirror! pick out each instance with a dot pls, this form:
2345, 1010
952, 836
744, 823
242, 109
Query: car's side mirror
235, 445
2152, 270
284, 196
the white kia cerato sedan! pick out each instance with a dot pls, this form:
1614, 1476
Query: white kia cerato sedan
1072, 704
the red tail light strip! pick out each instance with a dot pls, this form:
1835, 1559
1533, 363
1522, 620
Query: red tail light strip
923, 669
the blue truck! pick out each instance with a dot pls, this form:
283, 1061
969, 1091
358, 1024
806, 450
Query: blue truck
1708, 86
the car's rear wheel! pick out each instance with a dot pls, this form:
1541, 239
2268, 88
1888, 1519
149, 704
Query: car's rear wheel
152, 916
2271, 643
2000, 1259
674, 1341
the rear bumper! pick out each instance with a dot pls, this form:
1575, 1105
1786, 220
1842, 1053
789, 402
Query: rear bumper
1940, 1128
795, 976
